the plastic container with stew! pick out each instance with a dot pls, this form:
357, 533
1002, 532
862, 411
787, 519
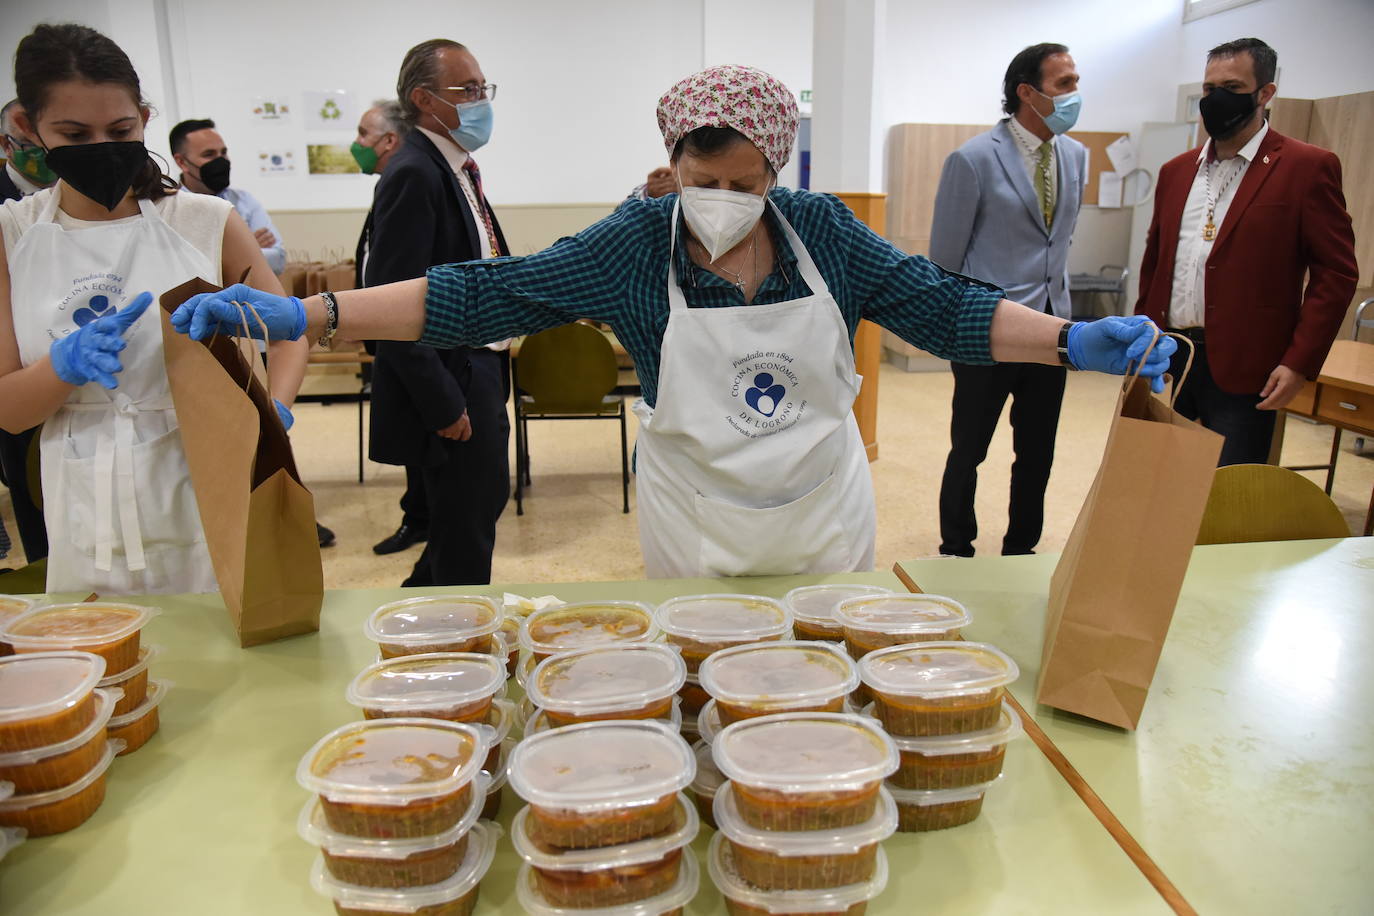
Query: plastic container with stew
132, 681
456, 686
538, 721
955, 761
47, 698
671, 902
744, 899
878, 621
566, 627
392, 778
398, 863
11, 606
938, 688
921, 810
454, 896
501, 720
608, 875
500, 774
805, 771
694, 697
776, 677
510, 643
607, 682
702, 624
602, 783
103, 628
813, 608
135, 728
706, 783
60, 810
41, 769
439, 623
773, 860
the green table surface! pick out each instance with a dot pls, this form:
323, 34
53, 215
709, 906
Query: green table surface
1250, 779
202, 819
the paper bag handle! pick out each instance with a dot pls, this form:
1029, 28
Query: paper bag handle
246, 309
1139, 364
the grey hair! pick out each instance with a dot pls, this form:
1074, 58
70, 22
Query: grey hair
390, 111
420, 70
7, 125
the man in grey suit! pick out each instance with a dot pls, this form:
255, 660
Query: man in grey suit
1005, 213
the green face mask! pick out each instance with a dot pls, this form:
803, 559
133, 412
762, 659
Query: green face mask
32, 163
365, 156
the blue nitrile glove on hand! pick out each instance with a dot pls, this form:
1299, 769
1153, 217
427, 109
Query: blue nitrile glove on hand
285, 413
207, 314
1115, 344
88, 354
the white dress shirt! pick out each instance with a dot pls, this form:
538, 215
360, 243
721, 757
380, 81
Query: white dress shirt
1029, 144
1187, 308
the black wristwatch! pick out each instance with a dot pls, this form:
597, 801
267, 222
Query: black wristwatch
1063, 347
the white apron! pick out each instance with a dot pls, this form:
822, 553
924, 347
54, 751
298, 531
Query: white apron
751, 463
121, 513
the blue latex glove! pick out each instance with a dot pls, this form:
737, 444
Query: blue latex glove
207, 314
1115, 344
89, 354
285, 413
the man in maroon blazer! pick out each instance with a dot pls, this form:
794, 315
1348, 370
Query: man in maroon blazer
1237, 226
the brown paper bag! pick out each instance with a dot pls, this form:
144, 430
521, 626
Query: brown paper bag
259, 518
293, 279
340, 276
1113, 593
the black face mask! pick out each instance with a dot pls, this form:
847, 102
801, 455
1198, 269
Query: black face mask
104, 172
215, 174
1225, 112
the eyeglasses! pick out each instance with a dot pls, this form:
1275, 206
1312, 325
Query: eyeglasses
472, 93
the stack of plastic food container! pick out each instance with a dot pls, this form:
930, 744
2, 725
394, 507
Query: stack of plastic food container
942, 703
395, 816
607, 829
113, 632
628, 681
813, 608
453, 686
702, 624
54, 750
877, 621
442, 623
803, 814
582, 625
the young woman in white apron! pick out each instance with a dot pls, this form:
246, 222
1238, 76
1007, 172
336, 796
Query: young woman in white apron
118, 500
748, 458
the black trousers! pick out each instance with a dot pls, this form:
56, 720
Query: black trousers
1248, 432
980, 392
414, 503
33, 531
467, 491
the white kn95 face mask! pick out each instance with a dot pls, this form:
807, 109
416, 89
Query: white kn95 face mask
720, 219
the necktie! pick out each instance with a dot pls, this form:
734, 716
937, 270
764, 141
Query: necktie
1043, 188
475, 174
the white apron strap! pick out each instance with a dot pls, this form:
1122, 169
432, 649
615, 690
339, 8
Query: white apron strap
676, 300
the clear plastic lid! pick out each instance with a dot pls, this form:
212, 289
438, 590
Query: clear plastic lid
392, 761
788, 843
805, 752
481, 851
708, 778
434, 619
314, 829
903, 613
937, 669
607, 678
70, 626
427, 682
566, 627
601, 765
925, 798
686, 823
146, 654
677, 897
40, 684
816, 604
827, 900
779, 673
724, 617
38, 799
708, 723
11, 606
10, 837
156, 691
1008, 727
537, 721
105, 701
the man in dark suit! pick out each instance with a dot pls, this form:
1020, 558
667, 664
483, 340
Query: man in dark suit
442, 411
1238, 224
25, 173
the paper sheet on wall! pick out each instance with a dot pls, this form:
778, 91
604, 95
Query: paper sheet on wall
332, 110
1109, 190
1121, 152
276, 162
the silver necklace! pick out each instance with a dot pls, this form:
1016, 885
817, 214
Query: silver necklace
750, 260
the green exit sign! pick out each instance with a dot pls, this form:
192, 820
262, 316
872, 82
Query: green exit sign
806, 95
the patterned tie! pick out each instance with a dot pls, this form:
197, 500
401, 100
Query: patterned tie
1043, 188
475, 174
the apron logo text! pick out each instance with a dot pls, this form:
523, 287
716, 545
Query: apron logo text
764, 377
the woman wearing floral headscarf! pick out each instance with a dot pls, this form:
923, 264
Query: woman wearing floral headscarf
740, 317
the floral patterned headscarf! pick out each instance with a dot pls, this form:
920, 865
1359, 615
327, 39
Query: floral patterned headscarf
757, 105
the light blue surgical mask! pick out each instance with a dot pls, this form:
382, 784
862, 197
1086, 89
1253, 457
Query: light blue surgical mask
1065, 114
474, 123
